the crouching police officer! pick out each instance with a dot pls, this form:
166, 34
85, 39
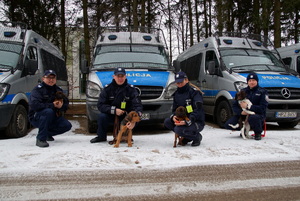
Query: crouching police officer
191, 98
117, 98
45, 111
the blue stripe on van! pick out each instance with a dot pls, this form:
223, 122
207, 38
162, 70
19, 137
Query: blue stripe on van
149, 78
8, 98
271, 80
213, 93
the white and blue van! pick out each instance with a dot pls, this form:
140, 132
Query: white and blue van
220, 64
24, 56
142, 52
291, 56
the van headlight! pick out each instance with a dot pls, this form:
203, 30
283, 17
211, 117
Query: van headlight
3, 90
170, 90
93, 90
240, 85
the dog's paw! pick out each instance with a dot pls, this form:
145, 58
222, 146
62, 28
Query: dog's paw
116, 146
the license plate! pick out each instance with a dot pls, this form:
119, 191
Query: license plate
145, 116
286, 114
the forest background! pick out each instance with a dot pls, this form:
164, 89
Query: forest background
185, 22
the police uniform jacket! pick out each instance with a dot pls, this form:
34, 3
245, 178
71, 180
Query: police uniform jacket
113, 95
188, 95
258, 97
42, 97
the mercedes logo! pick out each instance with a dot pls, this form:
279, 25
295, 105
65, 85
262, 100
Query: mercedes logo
286, 93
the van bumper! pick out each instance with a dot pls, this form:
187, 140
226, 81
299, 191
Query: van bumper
6, 111
158, 110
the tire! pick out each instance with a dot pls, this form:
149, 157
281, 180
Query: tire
17, 126
288, 124
223, 113
92, 126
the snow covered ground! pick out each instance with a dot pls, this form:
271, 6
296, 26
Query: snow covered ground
72, 151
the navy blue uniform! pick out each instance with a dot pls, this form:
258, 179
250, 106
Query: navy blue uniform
42, 113
258, 98
110, 99
185, 96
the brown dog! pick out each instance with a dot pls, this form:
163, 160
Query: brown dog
181, 115
59, 97
132, 117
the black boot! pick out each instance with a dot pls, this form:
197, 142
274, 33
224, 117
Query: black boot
257, 136
197, 141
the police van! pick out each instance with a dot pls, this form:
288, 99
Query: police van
24, 56
143, 54
291, 56
220, 64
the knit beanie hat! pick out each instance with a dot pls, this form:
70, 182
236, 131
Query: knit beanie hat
252, 76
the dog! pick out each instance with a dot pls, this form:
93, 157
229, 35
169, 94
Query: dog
131, 117
243, 121
181, 115
59, 98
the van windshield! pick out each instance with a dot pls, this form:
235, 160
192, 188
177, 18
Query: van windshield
251, 60
130, 56
9, 55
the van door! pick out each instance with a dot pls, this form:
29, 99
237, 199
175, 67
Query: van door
31, 80
209, 83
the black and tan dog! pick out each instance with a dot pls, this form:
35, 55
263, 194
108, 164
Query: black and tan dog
59, 97
131, 117
181, 115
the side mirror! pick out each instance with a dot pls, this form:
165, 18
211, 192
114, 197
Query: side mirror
176, 65
31, 66
84, 67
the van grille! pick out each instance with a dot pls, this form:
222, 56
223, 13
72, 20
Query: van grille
150, 92
287, 94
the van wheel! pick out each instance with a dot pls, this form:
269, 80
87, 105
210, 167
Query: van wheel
17, 126
223, 113
92, 126
288, 124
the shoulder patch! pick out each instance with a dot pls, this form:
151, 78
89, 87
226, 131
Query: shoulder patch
40, 86
106, 85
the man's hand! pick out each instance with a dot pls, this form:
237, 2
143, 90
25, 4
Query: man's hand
119, 112
58, 104
178, 123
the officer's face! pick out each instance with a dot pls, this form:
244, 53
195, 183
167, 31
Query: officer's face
252, 83
120, 79
50, 80
183, 83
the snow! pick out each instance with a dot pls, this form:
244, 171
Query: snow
72, 151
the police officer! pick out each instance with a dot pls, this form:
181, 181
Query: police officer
258, 97
43, 113
117, 98
191, 98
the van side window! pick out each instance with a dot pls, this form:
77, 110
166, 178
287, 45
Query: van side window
298, 65
51, 62
191, 67
287, 61
210, 56
31, 53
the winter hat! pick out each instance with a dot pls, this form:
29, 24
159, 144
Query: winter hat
252, 76
179, 77
120, 71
